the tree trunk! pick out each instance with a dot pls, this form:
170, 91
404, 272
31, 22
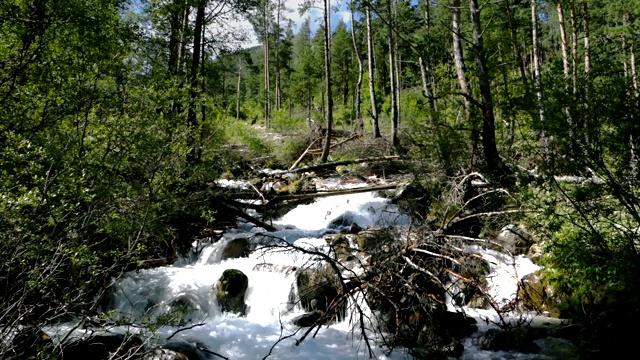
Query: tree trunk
278, 85
634, 77
538, 80
327, 69
267, 76
585, 26
359, 128
563, 46
574, 47
567, 73
393, 82
238, 91
195, 63
427, 13
372, 88
176, 15
516, 45
461, 71
492, 158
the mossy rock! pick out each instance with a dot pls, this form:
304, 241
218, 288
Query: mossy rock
230, 291
236, 248
539, 294
181, 310
515, 238
317, 289
340, 245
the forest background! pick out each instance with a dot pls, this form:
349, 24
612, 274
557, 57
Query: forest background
116, 117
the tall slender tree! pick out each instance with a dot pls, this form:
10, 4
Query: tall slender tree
359, 126
370, 65
327, 67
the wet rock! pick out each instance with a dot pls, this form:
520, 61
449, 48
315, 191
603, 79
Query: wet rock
236, 248
515, 239
308, 319
230, 291
514, 340
372, 240
538, 294
456, 324
556, 348
473, 269
191, 349
163, 354
354, 228
317, 288
340, 245
100, 347
181, 310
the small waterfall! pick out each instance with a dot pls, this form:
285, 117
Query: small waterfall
187, 287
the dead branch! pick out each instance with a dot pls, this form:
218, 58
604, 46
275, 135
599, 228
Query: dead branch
319, 151
482, 215
249, 218
304, 153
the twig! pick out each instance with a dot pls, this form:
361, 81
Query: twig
184, 329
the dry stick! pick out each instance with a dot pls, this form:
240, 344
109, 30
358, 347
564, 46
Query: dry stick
184, 329
295, 164
345, 162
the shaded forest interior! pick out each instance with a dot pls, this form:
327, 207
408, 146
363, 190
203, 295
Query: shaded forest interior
118, 116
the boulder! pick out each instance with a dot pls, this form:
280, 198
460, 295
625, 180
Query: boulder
372, 240
309, 319
163, 354
538, 294
317, 288
515, 239
517, 339
470, 292
230, 291
181, 310
236, 248
191, 349
354, 228
340, 245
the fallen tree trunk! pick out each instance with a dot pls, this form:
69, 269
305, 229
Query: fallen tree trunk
345, 162
280, 198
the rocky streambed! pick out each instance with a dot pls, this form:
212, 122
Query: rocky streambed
256, 293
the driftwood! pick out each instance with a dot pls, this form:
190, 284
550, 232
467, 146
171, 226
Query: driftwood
345, 162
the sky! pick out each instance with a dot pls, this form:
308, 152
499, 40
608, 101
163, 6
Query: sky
315, 13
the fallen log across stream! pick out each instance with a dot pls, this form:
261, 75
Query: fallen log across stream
269, 201
344, 162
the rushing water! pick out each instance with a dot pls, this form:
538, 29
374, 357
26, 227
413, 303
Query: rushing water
145, 295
